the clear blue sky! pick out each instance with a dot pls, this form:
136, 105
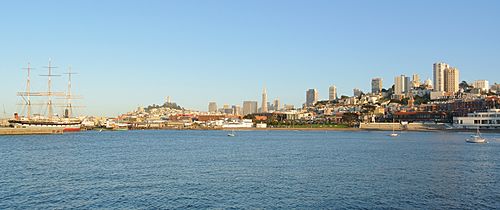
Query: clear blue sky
131, 53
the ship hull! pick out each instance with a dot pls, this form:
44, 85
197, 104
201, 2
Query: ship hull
66, 126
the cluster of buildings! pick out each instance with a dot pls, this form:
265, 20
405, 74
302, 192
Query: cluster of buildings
408, 100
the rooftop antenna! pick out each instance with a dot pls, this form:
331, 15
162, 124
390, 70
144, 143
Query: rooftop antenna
49, 88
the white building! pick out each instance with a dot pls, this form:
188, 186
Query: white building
245, 123
332, 93
401, 84
438, 73
484, 85
481, 120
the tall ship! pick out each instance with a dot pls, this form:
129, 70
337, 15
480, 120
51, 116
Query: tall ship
29, 119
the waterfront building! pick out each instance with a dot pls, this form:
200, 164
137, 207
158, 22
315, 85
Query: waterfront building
376, 85
484, 85
212, 107
244, 123
311, 97
332, 93
264, 101
249, 107
451, 78
483, 120
438, 73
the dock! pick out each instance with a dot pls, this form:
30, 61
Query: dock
30, 131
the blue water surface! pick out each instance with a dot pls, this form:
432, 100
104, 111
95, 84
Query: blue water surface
256, 169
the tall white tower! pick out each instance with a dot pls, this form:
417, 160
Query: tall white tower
438, 73
332, 93
264, 100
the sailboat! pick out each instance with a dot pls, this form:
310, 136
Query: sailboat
67, 123
232, 134
393, 134
477, 138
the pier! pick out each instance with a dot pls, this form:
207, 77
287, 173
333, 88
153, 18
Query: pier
30, 131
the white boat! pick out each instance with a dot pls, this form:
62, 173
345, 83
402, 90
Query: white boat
477, 138
232, 134
393, 134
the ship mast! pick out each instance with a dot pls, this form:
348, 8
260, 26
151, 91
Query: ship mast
68, 112
28, 80
49, 88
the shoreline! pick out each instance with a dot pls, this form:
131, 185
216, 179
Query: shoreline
330, 129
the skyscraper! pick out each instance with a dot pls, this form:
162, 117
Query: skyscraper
332, 93
451, 78
264, 101
311, 97
407, 85
376, 85
438, 73
212, 107
276, 104
249, 107
399, 84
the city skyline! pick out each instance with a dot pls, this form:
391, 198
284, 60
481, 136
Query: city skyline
131, 54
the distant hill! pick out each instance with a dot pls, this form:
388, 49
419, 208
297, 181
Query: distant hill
165, 105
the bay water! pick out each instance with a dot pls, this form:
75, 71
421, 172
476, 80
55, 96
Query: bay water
171, 169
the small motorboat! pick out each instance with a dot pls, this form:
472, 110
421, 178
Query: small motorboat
477, 138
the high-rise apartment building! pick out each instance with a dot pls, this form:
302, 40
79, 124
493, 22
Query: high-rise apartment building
401, 85
407, 85
451, 78
438, 73
212, 107
264, 101
311, 97
249, 107
376, 85
332, 93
